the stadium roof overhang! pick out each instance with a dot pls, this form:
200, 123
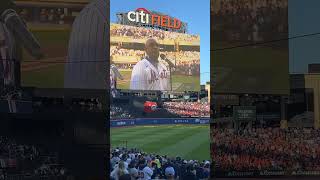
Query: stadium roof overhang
52, 3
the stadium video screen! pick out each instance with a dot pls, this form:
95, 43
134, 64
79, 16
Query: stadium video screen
74, 54
157, 54
249, 52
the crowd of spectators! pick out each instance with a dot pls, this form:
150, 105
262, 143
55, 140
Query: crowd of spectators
20, 101
13, 100
47, 104
87, 105
188, 109
179, 56
125, 66
47, 15
272, 149
117, 51
135, 164
183, 55
21, 160
120, 111
251, 20
188, 68
187, 62
183, 109
118, 30
13, 94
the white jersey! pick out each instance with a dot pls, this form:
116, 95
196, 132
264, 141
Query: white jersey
114, 75
113, 82
145, 76
145, 174
113, 79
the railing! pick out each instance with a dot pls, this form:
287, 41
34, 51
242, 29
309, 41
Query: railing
157, 121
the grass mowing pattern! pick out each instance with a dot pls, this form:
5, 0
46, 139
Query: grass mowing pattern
186, 141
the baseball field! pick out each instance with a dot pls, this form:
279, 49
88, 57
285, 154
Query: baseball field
186, 141
49, 71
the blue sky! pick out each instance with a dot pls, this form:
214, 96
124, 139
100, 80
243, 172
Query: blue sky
303, 19
196, 14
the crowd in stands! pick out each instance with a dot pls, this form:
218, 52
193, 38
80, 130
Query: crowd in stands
187, 62
188, 109
118, 30
183, 109
14, 100
272, 149
125, 66
117, 51
47, 15
120, 111
46, 104
179, 56
18, 100
13, 94
188, 68
251, 21
21, 161
87, 105
183, 55
134, 164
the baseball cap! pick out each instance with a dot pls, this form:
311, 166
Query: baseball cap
169, 171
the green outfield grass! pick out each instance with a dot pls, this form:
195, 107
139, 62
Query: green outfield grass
51, 77
180, 82
54, 44
186, 141
47, 37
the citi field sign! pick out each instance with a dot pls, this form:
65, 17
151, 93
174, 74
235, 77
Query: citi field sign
144, 16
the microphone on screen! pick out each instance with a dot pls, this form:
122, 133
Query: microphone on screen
163, 57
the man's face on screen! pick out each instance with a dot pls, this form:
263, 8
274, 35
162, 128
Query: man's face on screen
152, 49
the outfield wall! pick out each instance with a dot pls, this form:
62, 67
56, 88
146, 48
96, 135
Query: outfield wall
157, 121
